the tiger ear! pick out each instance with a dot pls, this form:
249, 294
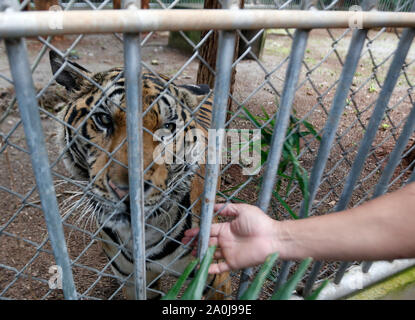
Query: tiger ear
193, 94
67, 77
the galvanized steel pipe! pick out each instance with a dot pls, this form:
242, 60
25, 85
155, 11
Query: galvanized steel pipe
19, 24
26, 98
225, 53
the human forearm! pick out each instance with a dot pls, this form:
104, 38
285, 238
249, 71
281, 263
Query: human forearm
380, 229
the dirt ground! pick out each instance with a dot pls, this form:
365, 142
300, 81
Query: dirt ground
25, 255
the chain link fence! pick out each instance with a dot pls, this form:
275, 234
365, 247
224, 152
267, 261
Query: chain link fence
321, 167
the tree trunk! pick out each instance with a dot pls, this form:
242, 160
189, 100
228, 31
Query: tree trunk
208, 52
116, 4
45, 4
340, 4
145, 4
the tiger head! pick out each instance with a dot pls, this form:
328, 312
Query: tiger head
93, 135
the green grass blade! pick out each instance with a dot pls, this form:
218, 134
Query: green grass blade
290, 182
285, 205
174, 291
252, 117
302, 178
314, 295
195, 289
285, 292
267, 117
283, 175
254, 289
233, 188
310, 127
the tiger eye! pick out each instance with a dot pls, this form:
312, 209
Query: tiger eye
103, 120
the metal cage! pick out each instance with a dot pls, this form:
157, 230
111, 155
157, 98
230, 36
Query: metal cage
363, 123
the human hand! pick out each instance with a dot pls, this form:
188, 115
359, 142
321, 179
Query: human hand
244, 242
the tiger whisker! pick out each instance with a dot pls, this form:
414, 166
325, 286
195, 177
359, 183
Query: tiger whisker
87, 207
76, 205
63, 206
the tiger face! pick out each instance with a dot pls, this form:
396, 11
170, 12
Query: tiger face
94, 142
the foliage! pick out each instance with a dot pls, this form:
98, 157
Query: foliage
196, 286
195, 289
290, 169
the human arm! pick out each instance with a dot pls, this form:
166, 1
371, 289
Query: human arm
380, 229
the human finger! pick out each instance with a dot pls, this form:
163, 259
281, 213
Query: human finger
191, 232
226, 209
219, 267
217, 228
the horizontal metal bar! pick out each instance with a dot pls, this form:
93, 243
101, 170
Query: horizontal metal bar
355, 279
18, 24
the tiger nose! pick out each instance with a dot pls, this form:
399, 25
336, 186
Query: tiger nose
121, 191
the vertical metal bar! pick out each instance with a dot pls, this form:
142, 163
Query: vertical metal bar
282, 118
297, 56
337, 107
280, 129
377, 116
226, 49
395, 156
133, 88
222, 84
26, 98
393, 162
336, 111
329, 132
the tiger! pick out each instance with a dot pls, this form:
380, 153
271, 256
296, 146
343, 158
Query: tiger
92, 138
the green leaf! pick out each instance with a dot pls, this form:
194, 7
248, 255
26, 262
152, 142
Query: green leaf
265, 113
285, 205
285, 292
290, 182
314, 295
302, 178
252, 117
310, 127
174, 291
233, 188
195, 289
236, 199
254, 289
